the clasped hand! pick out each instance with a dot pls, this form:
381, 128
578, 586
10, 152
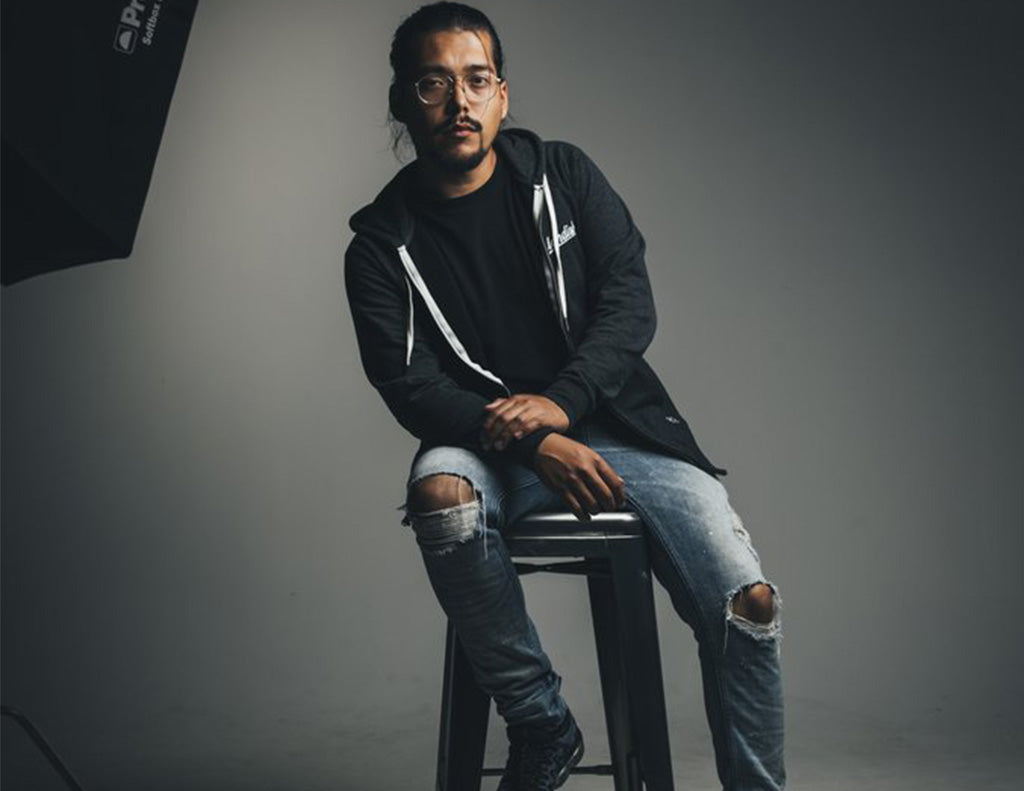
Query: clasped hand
516, 416
587, 483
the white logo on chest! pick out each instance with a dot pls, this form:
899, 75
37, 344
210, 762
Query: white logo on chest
568, 232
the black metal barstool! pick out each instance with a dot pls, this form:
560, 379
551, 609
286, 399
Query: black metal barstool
614, 560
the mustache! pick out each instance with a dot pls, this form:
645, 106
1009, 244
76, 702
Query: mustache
447, 127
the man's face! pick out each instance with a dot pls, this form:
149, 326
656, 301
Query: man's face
435, 129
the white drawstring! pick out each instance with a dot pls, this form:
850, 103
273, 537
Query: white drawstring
441, 321
409, 337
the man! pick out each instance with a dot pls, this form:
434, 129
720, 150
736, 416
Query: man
502, 308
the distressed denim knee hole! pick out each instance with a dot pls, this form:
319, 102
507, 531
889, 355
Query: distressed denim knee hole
768, 631
441, 531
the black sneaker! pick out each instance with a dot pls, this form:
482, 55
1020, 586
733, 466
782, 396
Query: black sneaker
541, 760
510, 777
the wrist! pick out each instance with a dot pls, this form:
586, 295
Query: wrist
552, 445
525, 449
548, 442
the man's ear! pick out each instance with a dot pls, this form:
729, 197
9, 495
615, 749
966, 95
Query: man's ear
395, 104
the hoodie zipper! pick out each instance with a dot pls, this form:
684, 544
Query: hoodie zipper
541, 196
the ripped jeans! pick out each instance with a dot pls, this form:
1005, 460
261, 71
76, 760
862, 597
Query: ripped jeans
700, 552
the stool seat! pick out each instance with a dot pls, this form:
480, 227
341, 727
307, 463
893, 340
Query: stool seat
613, 550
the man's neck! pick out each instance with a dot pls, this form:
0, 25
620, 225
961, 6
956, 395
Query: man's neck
441, 183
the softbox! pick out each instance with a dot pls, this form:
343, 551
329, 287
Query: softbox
84, 95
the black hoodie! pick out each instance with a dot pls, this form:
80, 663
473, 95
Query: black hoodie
430, 369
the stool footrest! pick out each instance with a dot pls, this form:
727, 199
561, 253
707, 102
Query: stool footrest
595, 769
589, 567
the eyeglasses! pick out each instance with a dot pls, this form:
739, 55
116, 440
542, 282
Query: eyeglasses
478, 87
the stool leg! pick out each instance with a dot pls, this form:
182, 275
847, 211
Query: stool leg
465, 709
634, 600
613, 685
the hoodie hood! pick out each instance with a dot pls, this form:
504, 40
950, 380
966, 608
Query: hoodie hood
388, 219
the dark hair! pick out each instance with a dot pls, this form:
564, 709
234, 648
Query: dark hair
431, 19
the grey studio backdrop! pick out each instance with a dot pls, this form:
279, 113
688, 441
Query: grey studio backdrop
205, 582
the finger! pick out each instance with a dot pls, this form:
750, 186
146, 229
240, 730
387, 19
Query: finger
514, 423
601, 492
502, 432
613, 480
525, 425
495, 421
620, 493
575, 506
581, 490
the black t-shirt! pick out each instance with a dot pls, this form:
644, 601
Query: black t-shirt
484, 239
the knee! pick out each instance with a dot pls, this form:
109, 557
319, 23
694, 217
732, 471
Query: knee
755, 603
439, 491
443, 511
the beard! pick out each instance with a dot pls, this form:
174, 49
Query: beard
453, 160
448, 155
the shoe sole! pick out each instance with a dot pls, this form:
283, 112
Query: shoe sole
574, 759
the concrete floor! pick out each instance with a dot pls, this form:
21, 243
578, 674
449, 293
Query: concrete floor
827, 750
830, 751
